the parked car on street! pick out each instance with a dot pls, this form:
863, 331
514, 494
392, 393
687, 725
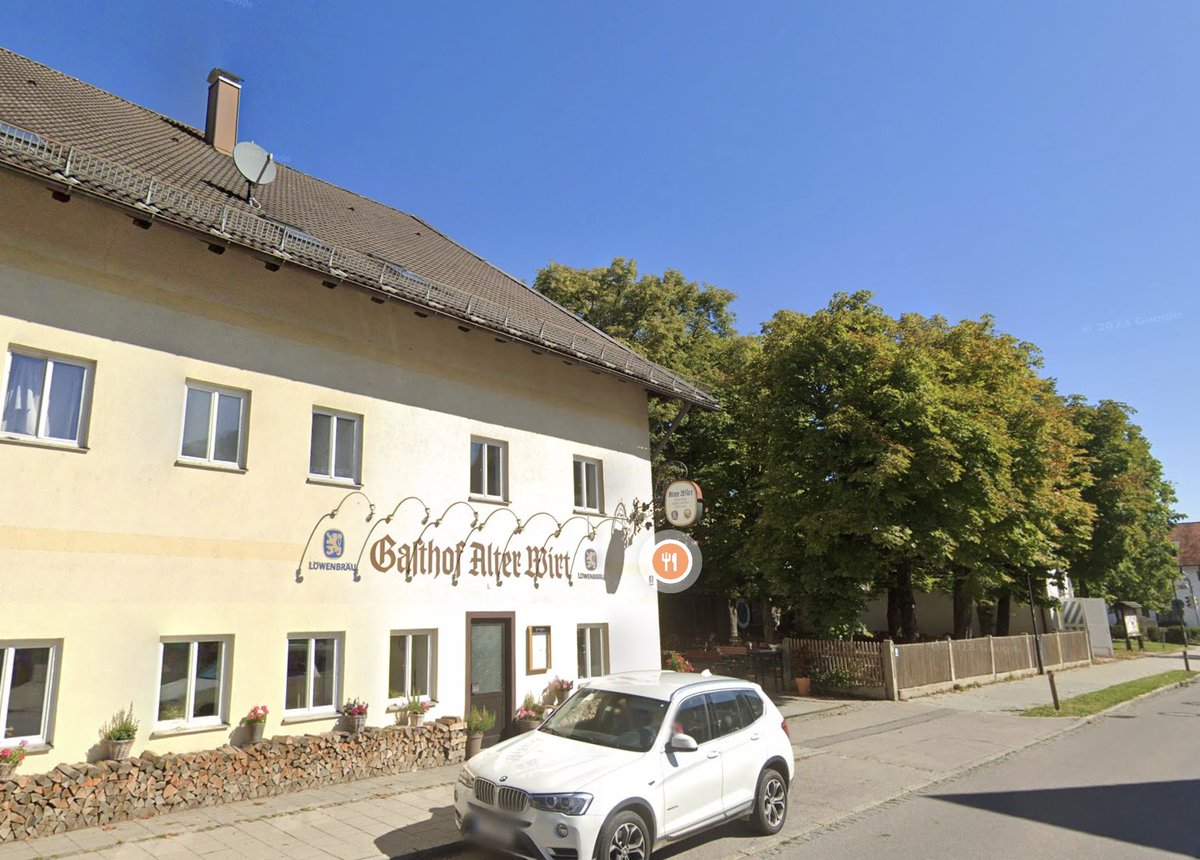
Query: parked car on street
629, 763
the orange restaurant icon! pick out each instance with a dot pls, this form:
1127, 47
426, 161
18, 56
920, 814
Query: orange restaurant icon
672, 561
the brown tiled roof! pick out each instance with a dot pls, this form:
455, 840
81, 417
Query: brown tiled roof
1187, 536
126, 153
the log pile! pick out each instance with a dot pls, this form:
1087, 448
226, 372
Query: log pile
83, 795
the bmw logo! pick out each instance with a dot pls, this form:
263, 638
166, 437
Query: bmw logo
504, 779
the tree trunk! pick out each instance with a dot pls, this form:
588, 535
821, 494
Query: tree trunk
963, 602
908, 603
986, 610
1003, 614
893, 613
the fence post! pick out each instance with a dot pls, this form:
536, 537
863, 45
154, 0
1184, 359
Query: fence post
950, 651
1028, 652
887, 659
992, 652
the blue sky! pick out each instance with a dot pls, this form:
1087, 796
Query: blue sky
1034, 161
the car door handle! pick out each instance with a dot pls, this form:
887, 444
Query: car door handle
713, 754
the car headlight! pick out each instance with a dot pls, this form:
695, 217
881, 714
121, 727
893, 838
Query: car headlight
466, 778
575, 803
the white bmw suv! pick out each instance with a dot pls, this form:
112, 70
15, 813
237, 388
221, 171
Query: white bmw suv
629, 763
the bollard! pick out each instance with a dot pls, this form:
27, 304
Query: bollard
1053, 690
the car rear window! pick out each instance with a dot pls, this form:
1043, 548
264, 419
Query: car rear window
751, 705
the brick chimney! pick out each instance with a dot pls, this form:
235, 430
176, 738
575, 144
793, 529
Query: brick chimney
224, 93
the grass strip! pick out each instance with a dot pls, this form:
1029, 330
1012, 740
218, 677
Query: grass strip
1091, 703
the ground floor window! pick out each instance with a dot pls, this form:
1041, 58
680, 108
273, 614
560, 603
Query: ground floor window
313, 672
26, 684
410, 664
593, 650
191, 682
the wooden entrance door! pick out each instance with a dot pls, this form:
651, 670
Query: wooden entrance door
490, 667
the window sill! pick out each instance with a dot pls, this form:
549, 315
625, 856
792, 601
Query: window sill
188, 730
587, 512
211, 467
36, 442
489, 500
309, 718
344, 483
399, 707
39, 748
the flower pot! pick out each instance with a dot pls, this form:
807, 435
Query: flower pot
7, 769
522, 726
415, 719
474, 743
254, 732
119, 750
803, 686
358, 723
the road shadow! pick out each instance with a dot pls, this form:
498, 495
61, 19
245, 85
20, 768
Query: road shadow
1149, 814
739, 829
434, 837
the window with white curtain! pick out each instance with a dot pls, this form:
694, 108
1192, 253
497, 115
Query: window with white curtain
489, 478
45, 397
214, 425
588, 496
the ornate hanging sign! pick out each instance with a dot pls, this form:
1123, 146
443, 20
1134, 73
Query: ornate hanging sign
683, 503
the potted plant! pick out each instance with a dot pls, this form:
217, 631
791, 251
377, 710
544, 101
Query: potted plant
414, 710
557, 691
481, 720
254, 721
355, 713
529, 716
120, 732
676, 662
10, 757
800, 674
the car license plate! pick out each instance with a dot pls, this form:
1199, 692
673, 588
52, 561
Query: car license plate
495, 831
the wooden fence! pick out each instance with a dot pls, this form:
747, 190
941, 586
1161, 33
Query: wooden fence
928, 667
900, 671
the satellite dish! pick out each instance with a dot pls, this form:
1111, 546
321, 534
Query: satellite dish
256, 164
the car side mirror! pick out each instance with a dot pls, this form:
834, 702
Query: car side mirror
682, 743
547, 714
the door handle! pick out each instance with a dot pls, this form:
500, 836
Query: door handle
713, 754
755, 736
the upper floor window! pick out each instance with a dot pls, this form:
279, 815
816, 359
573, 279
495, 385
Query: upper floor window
587, 485
26, 686
45, 397
336, 446
214, 425
489, 468
191, 683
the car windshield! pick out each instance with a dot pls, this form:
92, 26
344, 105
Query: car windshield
609, 719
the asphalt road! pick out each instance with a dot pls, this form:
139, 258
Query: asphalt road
1126, 786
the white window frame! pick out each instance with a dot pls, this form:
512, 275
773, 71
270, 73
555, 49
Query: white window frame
85, 395
431, 668
605, 665
221, 717
598, 466
334, 415
310, 673
6, 669
213, 391
501, 448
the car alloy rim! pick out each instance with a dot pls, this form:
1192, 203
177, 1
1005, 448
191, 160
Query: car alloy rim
774, 801
628, 843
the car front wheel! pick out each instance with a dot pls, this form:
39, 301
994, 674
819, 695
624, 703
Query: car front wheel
625, 837
770, 802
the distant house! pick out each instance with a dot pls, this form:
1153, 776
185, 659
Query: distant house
1186, 537
287, 451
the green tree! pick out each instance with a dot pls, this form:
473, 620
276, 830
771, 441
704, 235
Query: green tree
1130, 555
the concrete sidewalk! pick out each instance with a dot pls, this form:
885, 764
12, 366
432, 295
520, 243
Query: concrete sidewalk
852, 755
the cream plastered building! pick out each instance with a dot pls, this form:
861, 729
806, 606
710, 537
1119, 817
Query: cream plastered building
237, 472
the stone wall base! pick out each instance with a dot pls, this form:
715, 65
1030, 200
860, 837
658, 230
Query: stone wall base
74, 796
